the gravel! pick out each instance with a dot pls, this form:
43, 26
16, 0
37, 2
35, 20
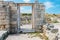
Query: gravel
22, 37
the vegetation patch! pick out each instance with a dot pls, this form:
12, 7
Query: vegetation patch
26, 14
55, 21
41, 35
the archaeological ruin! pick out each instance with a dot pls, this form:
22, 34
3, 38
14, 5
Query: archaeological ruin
10, 16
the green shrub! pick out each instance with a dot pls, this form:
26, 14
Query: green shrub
55, 21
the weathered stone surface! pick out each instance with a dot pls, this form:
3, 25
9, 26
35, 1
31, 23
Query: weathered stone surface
9, 15
4, 22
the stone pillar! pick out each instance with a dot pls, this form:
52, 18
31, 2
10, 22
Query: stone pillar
33, 17
8, 18
18, 18
38, 17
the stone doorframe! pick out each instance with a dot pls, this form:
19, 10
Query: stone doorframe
18, 12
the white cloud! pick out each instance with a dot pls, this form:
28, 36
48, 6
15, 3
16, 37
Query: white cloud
29, 11
24, 10
48, 5
26, 1
21, 8
5, 0
8, 0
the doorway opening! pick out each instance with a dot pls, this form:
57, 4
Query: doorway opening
26, 18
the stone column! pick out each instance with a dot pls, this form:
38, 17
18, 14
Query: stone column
18, 18
8, 18
32, 16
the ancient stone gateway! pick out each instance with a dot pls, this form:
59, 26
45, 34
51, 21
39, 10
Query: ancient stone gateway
25, 4
38, 12
11, 15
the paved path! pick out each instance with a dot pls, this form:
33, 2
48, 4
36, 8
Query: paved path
22, 37
27, 28
24, 28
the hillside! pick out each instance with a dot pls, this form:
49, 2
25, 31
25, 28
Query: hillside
50, 18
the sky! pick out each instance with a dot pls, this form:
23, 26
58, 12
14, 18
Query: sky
51, 6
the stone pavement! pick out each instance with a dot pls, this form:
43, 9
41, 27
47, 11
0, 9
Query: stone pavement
22, 37
27, 28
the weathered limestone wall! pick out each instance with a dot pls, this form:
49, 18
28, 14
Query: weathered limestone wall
13, 17
8, 16
4, 16
39, 11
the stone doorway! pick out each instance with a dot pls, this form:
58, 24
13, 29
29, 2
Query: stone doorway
28, 27
38, 13
26, 18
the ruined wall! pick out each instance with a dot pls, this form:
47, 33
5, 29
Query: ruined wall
39, 13
4, 16
13, 17
8, 16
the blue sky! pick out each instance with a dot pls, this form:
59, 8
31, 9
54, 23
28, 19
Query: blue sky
51, 6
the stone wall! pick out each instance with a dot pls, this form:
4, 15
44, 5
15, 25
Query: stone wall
4, 16
8, 16
39, 13
13, 17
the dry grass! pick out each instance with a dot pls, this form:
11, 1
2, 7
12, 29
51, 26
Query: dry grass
41, 35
